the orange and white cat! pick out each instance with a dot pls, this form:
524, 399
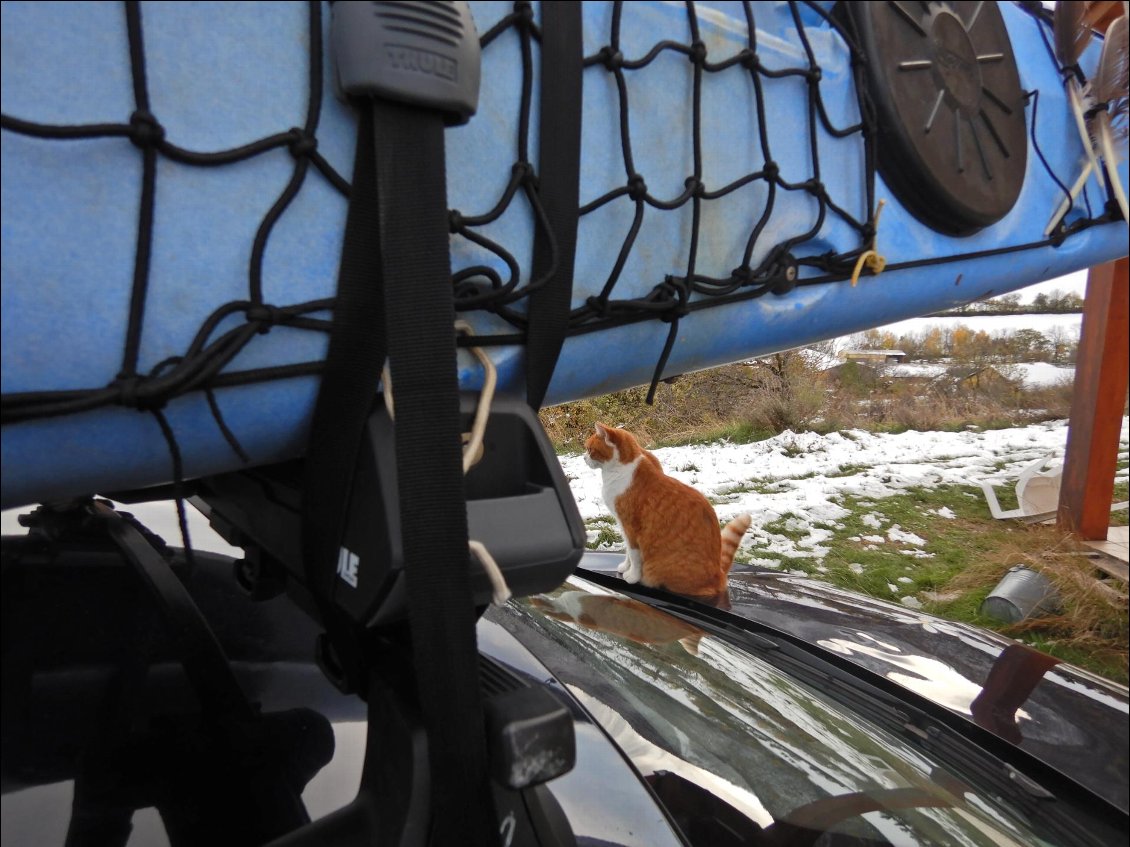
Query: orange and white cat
670, 529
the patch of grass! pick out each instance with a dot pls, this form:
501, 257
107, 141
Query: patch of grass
971, 553
847, 470
754, 485
741, 488
791, 451
739, 432
607, 536
788, 526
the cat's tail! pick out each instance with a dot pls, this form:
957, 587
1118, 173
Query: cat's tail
731, 537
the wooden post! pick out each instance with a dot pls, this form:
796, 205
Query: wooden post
1101, 372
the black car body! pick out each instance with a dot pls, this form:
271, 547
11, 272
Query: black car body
804, 709
800, 715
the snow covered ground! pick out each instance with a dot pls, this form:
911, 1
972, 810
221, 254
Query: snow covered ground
799, 475
805, 475
1041, 374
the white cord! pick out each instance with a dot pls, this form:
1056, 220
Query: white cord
473, 447
472, 452
501, 591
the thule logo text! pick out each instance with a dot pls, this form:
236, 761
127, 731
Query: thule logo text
421, 61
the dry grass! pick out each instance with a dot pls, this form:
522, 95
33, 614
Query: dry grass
744, 402
687, 408
1090, 627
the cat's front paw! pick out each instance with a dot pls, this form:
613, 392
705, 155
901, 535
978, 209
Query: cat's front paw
632, 576
623, 566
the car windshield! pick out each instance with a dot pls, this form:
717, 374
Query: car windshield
741, 752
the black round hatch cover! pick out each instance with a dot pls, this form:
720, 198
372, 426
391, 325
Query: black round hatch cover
952, 139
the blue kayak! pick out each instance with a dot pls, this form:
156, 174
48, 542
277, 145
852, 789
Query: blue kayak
176, 178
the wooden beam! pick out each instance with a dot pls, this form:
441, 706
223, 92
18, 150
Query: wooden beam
1101, 372
1100, 15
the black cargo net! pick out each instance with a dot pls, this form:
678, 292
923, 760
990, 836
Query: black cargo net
201, 367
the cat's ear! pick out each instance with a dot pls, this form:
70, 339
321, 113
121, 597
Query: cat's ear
690, 643
600, 429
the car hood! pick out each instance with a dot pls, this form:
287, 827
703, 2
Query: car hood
1072, 720
750, 736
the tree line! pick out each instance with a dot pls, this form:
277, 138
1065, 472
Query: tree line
1055, 302
960, 343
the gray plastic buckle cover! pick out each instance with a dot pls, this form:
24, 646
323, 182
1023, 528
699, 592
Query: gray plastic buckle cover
422, 53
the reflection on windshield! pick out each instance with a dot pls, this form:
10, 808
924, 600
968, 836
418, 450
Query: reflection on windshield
651, 759
1012, 679
996, 705
622, 616
924, 675
753, 739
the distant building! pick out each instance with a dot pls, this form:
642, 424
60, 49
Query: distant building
984, 379
873, 357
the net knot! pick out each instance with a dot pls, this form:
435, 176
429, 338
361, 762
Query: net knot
749, 60
771, 170
637, 188
454, 221
742, 275
599, 305
612, 59
695, 186
301, 144
132, 395
265, 315
525, 174
524, 12
698, 52
672, 291
145, 130
815, 75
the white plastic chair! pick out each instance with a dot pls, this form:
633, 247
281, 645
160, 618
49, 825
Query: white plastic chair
1037, 492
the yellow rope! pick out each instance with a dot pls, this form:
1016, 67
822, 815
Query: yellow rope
874, 260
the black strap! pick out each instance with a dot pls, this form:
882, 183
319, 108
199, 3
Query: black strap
399, 192
559, 165
433, 514
193, 641
356, 353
